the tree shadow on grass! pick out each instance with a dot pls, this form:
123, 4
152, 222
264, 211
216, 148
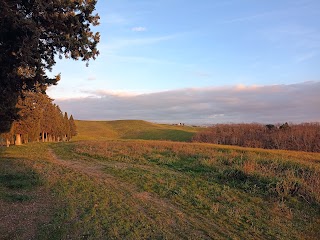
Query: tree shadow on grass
25, 204
17, 180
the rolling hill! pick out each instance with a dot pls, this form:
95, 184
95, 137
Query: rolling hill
133, 129
116, 180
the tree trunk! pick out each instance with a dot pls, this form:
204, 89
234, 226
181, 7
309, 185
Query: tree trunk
26, 138
18, 139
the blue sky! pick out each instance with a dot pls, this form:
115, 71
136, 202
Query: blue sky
167, 46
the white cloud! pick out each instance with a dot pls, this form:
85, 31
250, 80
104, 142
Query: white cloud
91, 78
138, 59
202, 74
139, 29
114, 19
117, 44
248, 18
117, 93
306, 56
265, 104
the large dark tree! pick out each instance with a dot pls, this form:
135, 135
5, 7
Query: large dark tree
32, 34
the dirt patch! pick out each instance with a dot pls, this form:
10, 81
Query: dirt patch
95, 169
21, 220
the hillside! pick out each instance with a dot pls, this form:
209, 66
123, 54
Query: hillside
137, 189
114, 185
133, 129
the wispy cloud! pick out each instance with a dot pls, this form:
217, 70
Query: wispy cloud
138, 59
290, 32
249, 17
117, 44
114, 93
291, 9
202, 74
114, 19
302, 41
139, 29
306, 56
266, 104
91, 78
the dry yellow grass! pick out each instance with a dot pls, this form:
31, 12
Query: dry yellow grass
238, 192
139, 189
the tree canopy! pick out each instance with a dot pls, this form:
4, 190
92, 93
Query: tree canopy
32, 34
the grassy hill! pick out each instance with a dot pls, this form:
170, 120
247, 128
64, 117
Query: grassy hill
137, 189
114, 185
133, 129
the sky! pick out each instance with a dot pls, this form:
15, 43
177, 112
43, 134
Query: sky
198, 62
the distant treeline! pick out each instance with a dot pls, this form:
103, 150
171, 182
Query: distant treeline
300, 137
39, 120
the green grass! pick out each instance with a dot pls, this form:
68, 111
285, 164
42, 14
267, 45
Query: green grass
240, 193
94, 130
144, 189
17, 180
133, 129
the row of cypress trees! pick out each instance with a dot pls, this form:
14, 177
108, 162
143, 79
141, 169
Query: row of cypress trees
39, 120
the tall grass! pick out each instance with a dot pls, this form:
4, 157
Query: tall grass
125, 189
238, 192
283, 173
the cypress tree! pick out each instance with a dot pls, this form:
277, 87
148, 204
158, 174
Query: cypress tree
73, 128
66, 127
38, 116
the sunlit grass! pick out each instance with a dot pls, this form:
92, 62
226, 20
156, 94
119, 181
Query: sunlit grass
261, 193
133, 129
137, 189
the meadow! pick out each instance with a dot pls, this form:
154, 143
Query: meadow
133, 129
121, 180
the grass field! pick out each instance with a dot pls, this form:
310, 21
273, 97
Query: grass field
122, 188
133, 129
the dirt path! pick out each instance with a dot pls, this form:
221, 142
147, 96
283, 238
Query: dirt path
20, 220
143, 201
95, 169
